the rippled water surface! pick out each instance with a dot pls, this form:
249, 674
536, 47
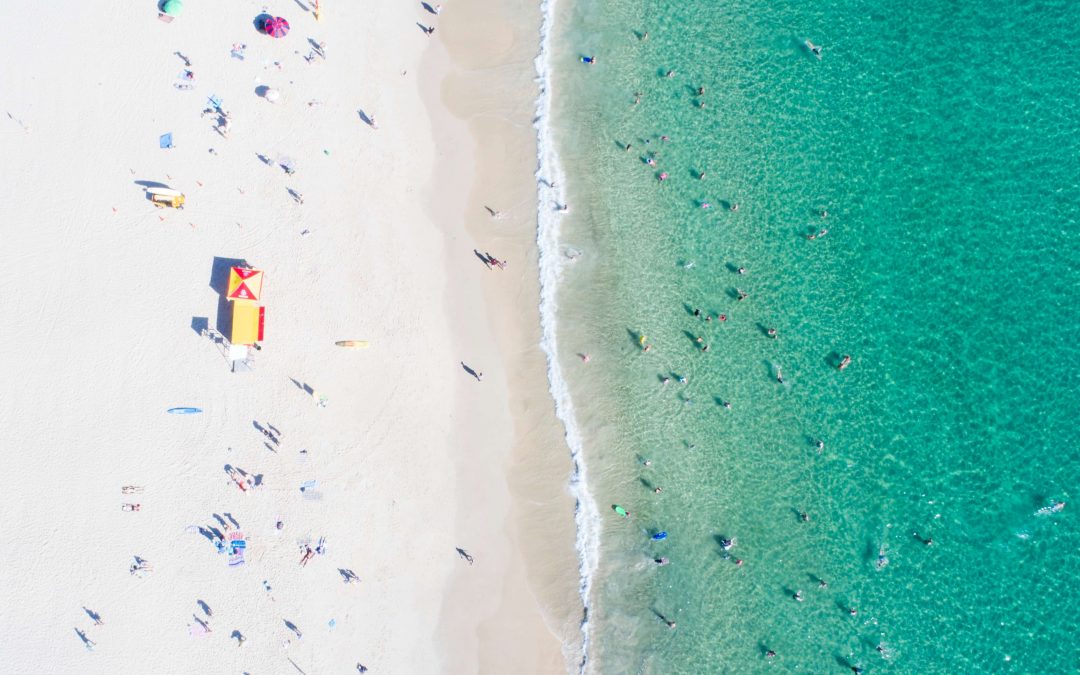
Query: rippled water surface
941, 138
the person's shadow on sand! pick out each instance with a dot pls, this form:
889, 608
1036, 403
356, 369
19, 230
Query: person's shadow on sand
479, 376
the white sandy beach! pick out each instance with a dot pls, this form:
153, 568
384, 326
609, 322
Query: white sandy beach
103, 296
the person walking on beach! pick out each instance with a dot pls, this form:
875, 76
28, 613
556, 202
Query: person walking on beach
94, 616
90, 644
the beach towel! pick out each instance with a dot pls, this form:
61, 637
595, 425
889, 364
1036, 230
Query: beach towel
166, 140
237, 546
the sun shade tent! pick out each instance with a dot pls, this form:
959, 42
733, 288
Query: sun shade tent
248, 317
248, 320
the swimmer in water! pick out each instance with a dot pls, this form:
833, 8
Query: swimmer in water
726, 404
660, 561
779, 376
882, 560
798, 596
658, 490
701, 176
771, 332
734, 207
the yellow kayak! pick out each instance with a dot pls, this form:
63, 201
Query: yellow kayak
352, 344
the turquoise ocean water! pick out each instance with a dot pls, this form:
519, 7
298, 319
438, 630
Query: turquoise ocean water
942, 140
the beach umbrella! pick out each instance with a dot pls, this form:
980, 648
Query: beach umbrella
245, 284
276, 27
172, 7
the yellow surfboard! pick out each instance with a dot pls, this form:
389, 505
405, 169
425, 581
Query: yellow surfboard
352, 344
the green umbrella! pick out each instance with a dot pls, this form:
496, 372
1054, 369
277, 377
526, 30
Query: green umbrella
172, 7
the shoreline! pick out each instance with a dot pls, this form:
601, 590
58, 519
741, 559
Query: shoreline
550, 174
480, 110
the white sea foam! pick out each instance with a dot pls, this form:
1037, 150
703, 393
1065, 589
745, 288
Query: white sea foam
550, 179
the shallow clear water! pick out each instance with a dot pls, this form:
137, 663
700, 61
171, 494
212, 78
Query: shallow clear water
941, 139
